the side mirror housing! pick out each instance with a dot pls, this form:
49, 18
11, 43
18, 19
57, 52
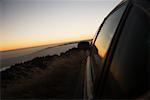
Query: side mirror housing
85, 45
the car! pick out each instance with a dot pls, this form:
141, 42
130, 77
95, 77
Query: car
118, 62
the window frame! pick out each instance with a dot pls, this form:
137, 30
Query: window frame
122, 42
101, 26
103, 22
98, 89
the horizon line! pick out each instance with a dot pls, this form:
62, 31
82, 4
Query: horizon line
42, 45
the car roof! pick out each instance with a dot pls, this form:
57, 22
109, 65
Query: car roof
144, 4
134, 0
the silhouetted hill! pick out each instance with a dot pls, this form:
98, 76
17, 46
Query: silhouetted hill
46, 77
11, 57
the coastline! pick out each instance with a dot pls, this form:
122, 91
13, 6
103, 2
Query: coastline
61, 74
4, 68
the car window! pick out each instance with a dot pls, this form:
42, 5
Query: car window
128, 75
104, 38
107, 31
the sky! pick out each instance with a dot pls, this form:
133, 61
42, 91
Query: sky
27, 23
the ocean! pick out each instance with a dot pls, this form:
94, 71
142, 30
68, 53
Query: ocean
11, 57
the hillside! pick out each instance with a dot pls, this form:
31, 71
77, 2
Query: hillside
46, 77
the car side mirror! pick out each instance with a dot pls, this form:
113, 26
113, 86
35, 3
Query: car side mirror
84, 45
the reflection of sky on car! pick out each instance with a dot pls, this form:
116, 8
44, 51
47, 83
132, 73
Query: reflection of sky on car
108, 31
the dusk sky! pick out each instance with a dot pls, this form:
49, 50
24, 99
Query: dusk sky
27, 23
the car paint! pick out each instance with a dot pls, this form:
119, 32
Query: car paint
90, 90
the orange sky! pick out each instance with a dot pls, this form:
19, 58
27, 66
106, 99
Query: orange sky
16, 45
27, 23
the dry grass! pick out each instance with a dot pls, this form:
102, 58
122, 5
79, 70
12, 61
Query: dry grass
61, 78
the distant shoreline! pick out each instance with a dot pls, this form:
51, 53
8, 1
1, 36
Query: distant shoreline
55, 44
50, 47
4, 68
47, 77
27, 47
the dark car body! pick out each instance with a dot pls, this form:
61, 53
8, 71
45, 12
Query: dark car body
118, 63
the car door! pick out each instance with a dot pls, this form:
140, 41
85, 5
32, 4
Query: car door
100, 47
128, 72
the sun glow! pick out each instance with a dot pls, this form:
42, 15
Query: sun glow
28, 23
10, 45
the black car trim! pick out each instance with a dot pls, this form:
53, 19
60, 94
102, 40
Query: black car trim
100, 76
98, 31
111, 50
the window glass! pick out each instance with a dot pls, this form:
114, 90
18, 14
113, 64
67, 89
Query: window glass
104, 39
107, 31
128, 76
